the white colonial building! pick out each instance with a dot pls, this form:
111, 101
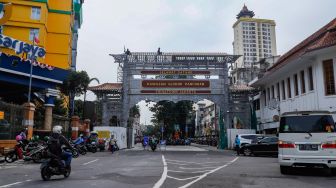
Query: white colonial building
303, 79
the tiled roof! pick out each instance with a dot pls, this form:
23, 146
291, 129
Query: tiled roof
106, 87
323, 38
241, 87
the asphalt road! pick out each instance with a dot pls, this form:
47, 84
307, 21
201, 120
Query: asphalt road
175, 167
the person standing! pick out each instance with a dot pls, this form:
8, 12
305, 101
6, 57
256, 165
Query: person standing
237, 144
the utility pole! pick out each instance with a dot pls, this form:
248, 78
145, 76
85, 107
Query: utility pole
31, 58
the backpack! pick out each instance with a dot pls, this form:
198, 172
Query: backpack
54, 146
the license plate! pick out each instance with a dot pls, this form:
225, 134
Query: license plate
308, 147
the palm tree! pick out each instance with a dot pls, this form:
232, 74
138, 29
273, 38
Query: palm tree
85, 90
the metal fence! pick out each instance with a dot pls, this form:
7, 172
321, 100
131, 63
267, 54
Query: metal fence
11, 123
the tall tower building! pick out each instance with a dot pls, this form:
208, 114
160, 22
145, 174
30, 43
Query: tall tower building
254, 39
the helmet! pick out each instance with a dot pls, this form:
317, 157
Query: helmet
18, 138
46, 138
57, 129
35, 138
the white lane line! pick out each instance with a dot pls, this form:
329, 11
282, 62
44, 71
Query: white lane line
195, 172
179, 179
90, 162
164, 174
8, 185
204, 175
192, 162
16, 183
177, 163
186, 168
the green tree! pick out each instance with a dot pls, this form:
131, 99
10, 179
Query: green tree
170, 114
78, 107
74, 85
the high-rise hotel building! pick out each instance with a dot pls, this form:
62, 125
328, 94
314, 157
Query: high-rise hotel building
254, 38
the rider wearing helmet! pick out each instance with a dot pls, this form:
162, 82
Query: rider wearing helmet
55, 143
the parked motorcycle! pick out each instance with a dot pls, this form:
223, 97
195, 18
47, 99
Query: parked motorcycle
27, 153
91, 147
101, 144
79, 144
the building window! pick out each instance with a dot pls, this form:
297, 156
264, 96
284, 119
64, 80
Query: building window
329, 80
273, 93
296, 88
268, 94
283, 90
36, 13
32, 33
256, 104
311, 82
289, 88
278, 91
303, 82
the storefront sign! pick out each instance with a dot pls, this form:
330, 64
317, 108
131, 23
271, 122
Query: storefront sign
185, 92
175, 72
22, 47
176, 83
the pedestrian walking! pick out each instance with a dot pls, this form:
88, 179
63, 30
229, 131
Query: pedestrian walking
237, 144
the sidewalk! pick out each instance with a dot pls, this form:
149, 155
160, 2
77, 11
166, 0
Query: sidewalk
211, 148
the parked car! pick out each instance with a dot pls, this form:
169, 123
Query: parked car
265, 146
247, 138
307, 139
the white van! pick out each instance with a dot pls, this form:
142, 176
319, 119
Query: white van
307, 139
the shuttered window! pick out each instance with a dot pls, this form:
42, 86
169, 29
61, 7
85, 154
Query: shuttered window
329, 79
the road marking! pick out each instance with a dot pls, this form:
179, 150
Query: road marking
189, 172
183, 178
191, 162
16, 183
177, 163
164, 174
90, 162
186, 168
210, 172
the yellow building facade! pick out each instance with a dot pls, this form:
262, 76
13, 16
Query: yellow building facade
50, 20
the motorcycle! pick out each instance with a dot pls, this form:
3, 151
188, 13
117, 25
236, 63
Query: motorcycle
153, 145
101, 144
52, 167
26, 152
91, 147
79, 144
114, 147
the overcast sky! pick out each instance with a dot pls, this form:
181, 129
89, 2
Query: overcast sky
184, 25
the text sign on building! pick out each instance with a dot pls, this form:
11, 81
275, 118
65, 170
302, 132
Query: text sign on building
22, 47
175, 83
180, 92
175, 72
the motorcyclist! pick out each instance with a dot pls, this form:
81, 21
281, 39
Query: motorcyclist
113, 143
154, 140
55, 143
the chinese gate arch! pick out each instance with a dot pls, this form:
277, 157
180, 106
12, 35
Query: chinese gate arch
158, 76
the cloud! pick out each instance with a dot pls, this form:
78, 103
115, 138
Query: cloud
188, 25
